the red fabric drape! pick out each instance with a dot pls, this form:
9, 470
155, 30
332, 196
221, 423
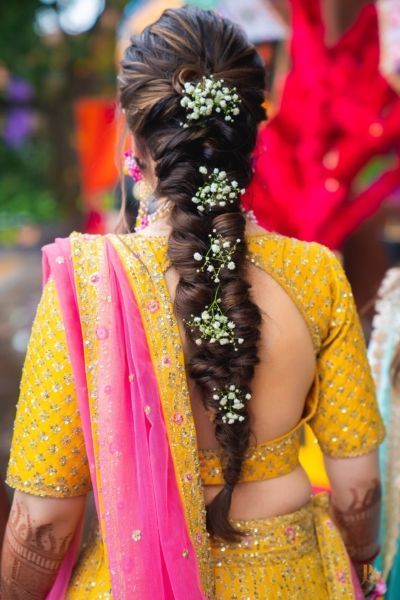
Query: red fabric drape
337, 113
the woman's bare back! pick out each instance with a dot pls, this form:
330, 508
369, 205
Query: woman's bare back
280, 387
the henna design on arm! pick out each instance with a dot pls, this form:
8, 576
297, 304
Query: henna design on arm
31, 557
359, 522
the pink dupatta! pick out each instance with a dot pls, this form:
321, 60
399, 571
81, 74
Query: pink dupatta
149, 550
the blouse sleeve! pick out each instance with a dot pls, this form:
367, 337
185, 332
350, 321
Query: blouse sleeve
48, 455
347, 421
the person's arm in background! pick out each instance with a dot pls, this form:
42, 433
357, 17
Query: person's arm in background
36, 540
4, 510
356, 504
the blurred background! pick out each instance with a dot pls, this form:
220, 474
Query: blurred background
326, 167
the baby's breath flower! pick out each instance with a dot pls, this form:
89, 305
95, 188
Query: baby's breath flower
208, 96
213, 326
218, 257
231, 402
217, 192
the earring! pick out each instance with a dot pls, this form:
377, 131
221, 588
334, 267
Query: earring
143, 191
131, 167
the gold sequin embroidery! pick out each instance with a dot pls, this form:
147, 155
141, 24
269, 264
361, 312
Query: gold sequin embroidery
47, 413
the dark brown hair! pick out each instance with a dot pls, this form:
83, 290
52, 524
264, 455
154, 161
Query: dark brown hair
183, 46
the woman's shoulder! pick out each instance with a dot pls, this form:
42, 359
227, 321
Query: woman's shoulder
78, 252
309, 272
87, 251
77, 244
289, 256
76, 240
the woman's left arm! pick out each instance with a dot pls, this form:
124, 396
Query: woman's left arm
36, 540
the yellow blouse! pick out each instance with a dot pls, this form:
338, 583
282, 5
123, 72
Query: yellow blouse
48, 456
341, 407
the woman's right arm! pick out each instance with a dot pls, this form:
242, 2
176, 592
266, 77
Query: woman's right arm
347, 423
356, 504
37, 538
48, 465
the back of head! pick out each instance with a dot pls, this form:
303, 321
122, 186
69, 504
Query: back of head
207, 244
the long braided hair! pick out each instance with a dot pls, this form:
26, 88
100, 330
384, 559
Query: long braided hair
186, 45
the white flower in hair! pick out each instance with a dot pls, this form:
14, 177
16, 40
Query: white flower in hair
231, 401
218, 257
217, 192
213, 326
207, 96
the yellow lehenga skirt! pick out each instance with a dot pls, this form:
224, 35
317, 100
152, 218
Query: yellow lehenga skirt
299, 556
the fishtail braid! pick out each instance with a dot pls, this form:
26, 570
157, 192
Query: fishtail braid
184, 46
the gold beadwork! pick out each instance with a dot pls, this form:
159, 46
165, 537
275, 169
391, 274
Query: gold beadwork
47, 414
147, 279
342, 398
264, 461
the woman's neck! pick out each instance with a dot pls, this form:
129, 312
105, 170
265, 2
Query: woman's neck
160, 228
164, 228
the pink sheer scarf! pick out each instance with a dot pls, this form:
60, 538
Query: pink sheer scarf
149, 551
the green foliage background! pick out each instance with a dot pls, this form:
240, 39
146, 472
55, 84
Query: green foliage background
40, 182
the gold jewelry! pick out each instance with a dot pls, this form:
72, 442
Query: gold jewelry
142, 190
144, 219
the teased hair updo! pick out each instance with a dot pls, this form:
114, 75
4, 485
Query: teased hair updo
183, 46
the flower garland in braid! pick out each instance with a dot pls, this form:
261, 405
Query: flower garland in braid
218, 192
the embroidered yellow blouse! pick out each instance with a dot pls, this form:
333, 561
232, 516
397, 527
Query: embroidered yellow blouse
341, 408
48, 456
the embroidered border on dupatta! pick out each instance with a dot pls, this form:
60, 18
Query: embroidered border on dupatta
146, 276
58, 265
86, 253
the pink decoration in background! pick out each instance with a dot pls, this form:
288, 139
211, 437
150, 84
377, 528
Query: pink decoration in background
380, 588
337, 113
